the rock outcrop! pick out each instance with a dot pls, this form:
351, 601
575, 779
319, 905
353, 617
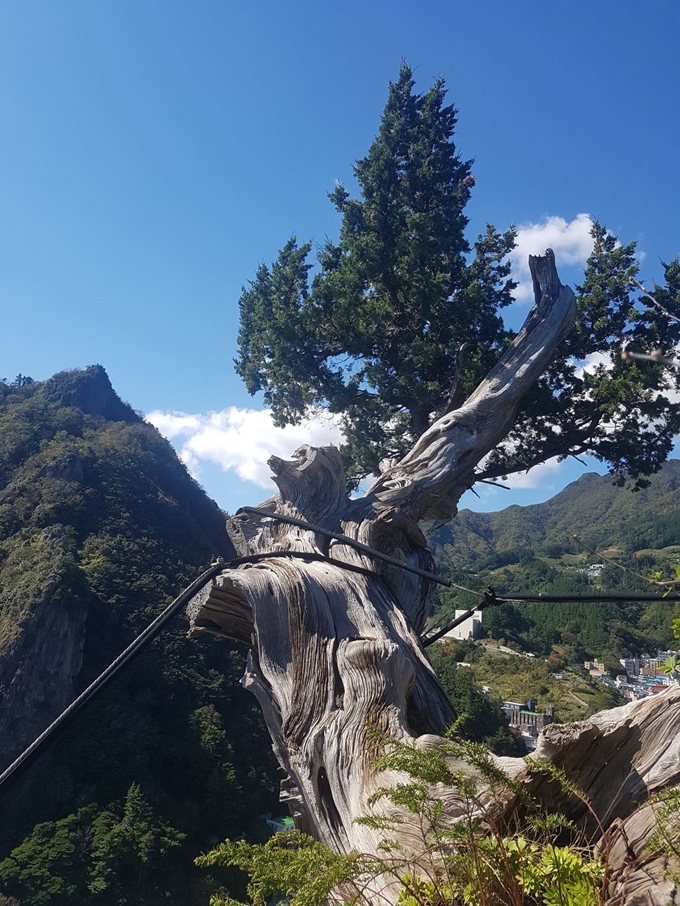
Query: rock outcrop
42, 634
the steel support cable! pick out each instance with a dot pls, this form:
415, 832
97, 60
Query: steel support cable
491, 599
156, 626
575, 597
447, 627
439, 630
142, 640
344, 539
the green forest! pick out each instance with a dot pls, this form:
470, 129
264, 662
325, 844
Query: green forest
101, 527
550, 548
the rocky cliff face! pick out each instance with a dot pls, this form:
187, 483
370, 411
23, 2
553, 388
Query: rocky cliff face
97, 515
91, 392
41, 643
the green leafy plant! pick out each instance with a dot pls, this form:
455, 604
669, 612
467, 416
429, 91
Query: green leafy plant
672, 665
471, 854
664, 839
289, 863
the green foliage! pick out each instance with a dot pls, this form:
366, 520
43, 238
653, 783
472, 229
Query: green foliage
478, 718
290, 863
602, 516
476, 858
134, 852
98, 518
46, 865
532, 550
671, 667
625, 417
401, 318
377, 335
664, 838
94, 857
555, 875
512, 677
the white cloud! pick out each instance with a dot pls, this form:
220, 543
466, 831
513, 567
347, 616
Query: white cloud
571, 241
542, 475
592, 362
174, 424
539, 484
242, 439
545, 476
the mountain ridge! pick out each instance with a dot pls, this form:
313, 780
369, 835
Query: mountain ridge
591, 507
572, 543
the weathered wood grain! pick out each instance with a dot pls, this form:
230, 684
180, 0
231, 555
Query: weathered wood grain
335, 650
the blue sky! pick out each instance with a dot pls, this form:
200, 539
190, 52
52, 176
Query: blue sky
154, 152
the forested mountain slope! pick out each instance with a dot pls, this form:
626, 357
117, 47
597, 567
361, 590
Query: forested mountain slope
602, 514
566, 545
100, 527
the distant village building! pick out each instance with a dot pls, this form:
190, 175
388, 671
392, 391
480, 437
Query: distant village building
651, 666
595, 668
644, 675
529, 721
631, 665
468, 629
594, 570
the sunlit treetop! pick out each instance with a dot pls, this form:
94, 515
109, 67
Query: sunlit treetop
398, 320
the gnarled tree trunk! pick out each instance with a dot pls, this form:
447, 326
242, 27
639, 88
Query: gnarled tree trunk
334, 630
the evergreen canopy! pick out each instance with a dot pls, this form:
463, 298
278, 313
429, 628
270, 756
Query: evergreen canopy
402, 318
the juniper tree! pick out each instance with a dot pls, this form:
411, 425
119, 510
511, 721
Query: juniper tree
399, 320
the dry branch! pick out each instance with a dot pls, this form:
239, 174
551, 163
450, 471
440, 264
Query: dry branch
335, 650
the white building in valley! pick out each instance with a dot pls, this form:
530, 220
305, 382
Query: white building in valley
468, 629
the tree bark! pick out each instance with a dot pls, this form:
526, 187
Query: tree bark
333, 630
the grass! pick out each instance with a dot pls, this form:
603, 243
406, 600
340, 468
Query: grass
516, 678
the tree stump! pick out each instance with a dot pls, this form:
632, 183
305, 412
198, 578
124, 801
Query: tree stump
333, 630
